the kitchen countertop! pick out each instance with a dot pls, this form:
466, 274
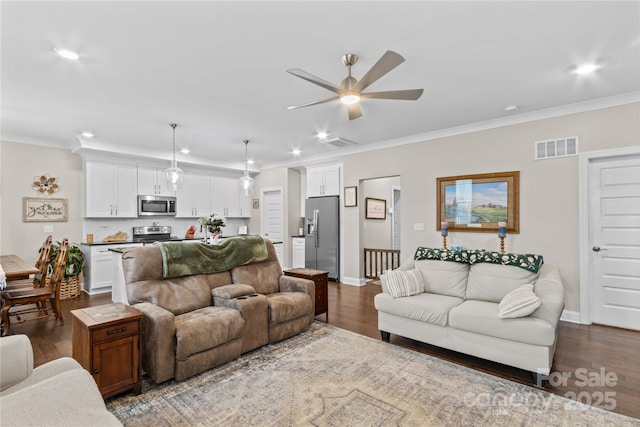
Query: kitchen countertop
297, 236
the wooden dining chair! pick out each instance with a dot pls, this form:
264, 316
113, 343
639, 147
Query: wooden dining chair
46, 299
40, 278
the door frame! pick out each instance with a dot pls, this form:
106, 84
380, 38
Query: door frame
585, 159
395, 216
263, 211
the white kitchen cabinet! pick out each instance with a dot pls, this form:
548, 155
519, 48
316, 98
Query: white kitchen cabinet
110, 190
100, 266
323, 181
278, 246
193, 196
153, 182
225, 198
297, 252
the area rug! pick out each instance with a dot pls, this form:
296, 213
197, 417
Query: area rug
331, 377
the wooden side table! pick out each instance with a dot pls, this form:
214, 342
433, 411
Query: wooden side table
321, 279
106, 342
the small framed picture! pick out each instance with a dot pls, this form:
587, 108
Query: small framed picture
350, 196
375, 208
256, 204
44, 209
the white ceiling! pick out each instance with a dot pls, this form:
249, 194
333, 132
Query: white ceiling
218, 70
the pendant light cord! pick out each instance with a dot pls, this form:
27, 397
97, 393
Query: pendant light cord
246, 157
173, 125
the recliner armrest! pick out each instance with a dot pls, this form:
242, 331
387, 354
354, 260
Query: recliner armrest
297, 284
157, 341
16, 363
232, 291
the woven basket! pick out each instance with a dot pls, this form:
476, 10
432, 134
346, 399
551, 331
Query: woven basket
70, 288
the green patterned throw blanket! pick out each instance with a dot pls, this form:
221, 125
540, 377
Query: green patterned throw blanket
530, 262
187, 259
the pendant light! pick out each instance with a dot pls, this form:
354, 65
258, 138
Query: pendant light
174, 174
246, 182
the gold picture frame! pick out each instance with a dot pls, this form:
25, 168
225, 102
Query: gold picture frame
44, 209
350, 196
477, 203
375, 208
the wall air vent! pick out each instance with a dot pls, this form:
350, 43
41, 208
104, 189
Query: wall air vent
339, 142
561, 147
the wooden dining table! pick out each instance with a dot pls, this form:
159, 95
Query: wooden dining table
16, 268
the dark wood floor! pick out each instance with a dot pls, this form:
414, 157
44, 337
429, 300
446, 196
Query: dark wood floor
582, 350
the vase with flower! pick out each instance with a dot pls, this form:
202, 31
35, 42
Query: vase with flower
213, 224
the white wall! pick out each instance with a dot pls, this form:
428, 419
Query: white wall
19, 165
376, 233
548, 188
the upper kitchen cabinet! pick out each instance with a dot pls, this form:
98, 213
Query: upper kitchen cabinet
153, 182
193, 196
323, 181
110, 190
225, 198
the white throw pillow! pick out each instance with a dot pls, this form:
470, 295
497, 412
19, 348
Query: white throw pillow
398, 283
520, 302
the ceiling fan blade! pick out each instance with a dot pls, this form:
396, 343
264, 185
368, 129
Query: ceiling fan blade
386, 63
408, 95
322, 101
354, 111
313, 79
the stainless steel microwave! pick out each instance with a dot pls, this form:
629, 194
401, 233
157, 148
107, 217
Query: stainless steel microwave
156, 205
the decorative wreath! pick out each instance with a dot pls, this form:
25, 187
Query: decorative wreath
45, 184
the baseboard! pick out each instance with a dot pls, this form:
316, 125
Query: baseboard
354, 281
570, 316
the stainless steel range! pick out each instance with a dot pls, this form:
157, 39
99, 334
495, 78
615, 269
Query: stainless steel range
152, 233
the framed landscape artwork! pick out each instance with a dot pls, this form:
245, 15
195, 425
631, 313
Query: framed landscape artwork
479, 202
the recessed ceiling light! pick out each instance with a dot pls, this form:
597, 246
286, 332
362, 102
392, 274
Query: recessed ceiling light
586, 69
67, 54
250, 161
185, 151
510, 108
87, 134
322, 135
296, 152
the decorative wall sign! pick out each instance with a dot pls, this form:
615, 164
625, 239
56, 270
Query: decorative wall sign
45, 184
350, 196
40, 209
256, 204
375, 208
479, 202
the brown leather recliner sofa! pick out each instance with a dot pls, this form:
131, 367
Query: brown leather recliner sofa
193, 323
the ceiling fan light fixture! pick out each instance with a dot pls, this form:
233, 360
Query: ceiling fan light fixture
174, 174
350, 98
246, 182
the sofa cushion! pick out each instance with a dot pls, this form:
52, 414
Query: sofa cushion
518, 303
206, 328
178, 295
398, 283
263, 276
482, 318
424, 307
285, 306
444, 277
491, 282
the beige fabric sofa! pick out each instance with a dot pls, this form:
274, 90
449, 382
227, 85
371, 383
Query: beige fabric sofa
193, 323
459, 308
58, 393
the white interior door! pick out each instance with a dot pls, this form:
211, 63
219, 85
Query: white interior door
395, 223
614, 229
272, 219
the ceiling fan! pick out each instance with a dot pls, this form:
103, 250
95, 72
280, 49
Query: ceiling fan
350, 90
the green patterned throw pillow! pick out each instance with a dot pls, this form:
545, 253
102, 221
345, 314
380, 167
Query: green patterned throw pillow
530, 262
434, 254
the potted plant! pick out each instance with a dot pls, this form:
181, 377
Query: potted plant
71, 285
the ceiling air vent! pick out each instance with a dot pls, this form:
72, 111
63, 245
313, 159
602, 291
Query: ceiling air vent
339, 142
561, 147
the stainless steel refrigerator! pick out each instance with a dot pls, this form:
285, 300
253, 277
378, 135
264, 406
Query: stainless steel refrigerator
322, 235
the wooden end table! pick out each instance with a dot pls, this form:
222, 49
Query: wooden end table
321, 279
106, 342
